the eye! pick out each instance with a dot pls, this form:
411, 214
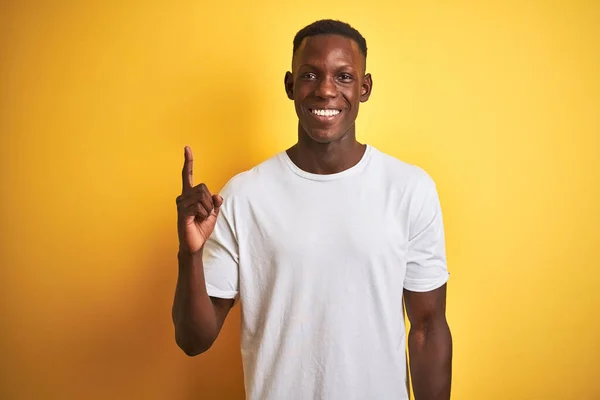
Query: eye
308, 75
345, 77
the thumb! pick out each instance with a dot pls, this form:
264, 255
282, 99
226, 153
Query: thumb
217, 201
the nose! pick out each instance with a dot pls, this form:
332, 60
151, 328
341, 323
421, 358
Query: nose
326, 88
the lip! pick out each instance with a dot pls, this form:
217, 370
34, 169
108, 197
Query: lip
325, 119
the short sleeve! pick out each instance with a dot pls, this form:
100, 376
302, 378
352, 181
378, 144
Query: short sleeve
220, 259
426, 267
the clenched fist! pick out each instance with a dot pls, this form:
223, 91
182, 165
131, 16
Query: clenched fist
197, 209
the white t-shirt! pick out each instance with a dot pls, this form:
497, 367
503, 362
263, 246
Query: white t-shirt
318, 264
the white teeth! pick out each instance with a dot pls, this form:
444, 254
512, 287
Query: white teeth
326, 113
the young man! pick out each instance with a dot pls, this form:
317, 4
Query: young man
322, 245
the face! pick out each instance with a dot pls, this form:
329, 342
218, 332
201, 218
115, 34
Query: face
327, 84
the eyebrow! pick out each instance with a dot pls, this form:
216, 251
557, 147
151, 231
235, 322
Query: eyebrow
342, 66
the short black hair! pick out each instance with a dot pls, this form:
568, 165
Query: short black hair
330, 27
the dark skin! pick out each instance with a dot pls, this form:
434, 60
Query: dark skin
328, 72
429, 344
327, 84
197, 318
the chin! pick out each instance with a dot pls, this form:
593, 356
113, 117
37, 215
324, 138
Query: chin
324, 137
323, 134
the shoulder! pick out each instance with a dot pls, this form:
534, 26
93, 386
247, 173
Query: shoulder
413, 178
246, 182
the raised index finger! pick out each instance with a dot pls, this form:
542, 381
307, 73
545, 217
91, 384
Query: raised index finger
187, 174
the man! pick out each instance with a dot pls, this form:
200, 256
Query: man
322, 245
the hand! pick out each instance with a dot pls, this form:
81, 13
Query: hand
197, 209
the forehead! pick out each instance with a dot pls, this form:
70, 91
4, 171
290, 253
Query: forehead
322, 50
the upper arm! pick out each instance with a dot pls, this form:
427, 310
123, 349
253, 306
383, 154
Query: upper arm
220, 256
426, 269
222, 307
423, 308
220, 259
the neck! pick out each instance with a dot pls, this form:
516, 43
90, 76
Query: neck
326, 158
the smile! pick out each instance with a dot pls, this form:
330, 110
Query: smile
325, 114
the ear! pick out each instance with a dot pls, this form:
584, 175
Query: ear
365, 89
289, 85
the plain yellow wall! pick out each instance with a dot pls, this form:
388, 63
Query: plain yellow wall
499, 101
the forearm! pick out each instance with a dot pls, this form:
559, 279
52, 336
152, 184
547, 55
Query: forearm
430, 352
193, 313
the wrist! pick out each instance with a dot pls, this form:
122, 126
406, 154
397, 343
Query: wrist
185, 252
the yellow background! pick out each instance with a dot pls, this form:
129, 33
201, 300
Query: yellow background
499, 101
